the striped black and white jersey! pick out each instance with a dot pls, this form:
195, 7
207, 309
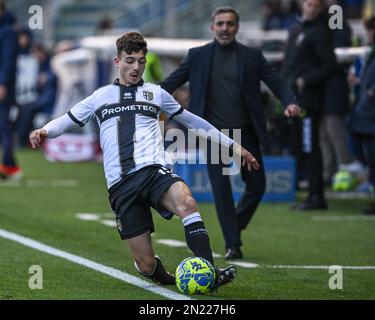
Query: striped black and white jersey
128, 118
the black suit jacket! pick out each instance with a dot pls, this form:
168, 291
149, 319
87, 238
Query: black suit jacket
310, 55
252, 68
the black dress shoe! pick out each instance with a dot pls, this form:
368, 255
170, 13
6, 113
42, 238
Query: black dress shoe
313, 203
233, 253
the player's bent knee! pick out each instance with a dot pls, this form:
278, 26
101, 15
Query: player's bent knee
187, 206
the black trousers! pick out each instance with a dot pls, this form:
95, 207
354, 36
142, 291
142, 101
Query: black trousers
233, 219
311, 146
6, 132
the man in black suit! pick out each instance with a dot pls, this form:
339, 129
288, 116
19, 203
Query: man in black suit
224, 78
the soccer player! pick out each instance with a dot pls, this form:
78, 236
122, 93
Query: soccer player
127, 112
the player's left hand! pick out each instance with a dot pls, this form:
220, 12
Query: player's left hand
292, 111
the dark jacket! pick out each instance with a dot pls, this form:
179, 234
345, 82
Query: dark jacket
363, 116
310, 55
252, 68
8, 50
338, 104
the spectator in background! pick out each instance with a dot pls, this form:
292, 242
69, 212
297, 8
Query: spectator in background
278, 15
352, 8
8, 59
27, 69
363, 116
154, 70
333, 131
273, 15
46, 87
25, 40
104, 25
309, 62
292, 14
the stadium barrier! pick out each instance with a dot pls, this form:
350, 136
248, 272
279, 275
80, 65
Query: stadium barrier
280, 175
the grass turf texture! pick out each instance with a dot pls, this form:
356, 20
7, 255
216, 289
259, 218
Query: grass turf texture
276, 236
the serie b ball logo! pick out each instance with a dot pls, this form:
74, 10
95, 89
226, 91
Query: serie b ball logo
195, 275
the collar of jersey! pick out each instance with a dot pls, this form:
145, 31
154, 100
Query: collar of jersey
139, 84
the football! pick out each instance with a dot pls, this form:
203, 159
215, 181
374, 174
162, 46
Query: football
195, 275
343, 181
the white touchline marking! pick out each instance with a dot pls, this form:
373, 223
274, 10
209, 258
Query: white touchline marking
67, 183
180, 244
348, 195
109, 223
323, 267
172, 243
216, 255
117, 274
249, 265
244, 264
87, 216
343, 218
52, 183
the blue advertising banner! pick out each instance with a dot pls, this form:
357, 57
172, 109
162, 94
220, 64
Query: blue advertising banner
280, 175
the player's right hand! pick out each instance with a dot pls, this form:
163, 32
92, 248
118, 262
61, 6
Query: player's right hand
37, 137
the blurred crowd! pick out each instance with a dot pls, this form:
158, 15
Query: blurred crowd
344, 134
31, 85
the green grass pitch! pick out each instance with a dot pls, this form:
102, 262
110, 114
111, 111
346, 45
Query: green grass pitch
44, 206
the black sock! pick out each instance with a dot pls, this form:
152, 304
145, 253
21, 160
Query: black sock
198, 241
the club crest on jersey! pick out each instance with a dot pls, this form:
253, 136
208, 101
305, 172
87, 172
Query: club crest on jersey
127, 95
148, 95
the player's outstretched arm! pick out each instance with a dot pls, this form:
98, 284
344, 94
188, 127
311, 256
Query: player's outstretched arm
192, 121
52, 129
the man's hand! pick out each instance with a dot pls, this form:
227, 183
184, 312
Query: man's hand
247, 158
3, 92
292, 111
352, 80
37, 137
300, 83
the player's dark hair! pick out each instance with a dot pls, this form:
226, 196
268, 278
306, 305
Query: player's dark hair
222, 10
131, 42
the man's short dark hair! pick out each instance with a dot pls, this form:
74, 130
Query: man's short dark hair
222, 10
131, 42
